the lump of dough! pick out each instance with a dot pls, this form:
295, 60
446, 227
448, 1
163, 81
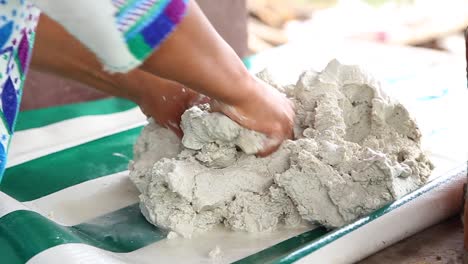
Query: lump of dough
355, 150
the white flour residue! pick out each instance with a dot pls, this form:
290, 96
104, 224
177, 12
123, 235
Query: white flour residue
215, 253
355, 150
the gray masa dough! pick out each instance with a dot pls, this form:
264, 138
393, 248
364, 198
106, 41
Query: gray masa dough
355, 150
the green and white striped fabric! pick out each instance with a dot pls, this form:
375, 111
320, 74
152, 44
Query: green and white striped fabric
66, 196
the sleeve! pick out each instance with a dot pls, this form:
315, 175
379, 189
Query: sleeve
121, 33
18, 20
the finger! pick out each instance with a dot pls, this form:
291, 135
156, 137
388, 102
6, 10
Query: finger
215, 106
174, 128
270, 145
268, 151
290, 132
146, 113
171, 125
199, 99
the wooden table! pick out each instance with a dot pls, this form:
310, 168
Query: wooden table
442, 243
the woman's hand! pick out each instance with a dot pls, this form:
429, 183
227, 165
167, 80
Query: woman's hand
166, 101
194, 56
264, 110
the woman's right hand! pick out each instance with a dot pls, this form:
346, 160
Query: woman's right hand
265, 110
197, 57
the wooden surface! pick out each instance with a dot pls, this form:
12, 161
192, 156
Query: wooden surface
442, 243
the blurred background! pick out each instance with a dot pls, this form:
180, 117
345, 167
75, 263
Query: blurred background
254, 26
427, 23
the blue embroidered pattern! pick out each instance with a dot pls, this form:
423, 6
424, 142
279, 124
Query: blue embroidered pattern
18, 21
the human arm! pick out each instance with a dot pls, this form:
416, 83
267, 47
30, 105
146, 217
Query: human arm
193, 55
59, 53
196, 56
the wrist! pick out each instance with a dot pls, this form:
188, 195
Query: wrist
130, 86
241, 88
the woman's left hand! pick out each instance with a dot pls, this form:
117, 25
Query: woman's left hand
166, 101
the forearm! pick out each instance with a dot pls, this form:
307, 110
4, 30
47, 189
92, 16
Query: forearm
196, 56
59, 53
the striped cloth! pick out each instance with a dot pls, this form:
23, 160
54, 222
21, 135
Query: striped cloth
66, 193
73, 200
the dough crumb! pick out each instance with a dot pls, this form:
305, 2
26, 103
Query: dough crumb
215, 253
51, 215
172, 235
